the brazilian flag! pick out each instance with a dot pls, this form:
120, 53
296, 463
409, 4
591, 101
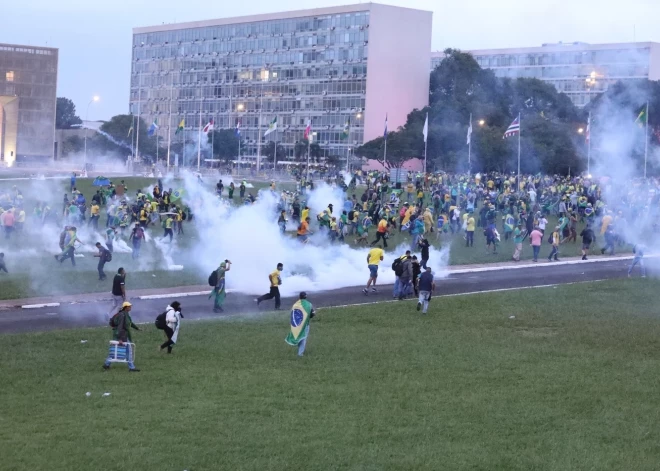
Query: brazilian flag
299, 321
177, 195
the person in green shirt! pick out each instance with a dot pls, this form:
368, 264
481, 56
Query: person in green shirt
219, 292
517, 241
122, 324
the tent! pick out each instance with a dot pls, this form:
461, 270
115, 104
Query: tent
101, 181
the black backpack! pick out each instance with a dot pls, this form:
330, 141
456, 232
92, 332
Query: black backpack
108, 256
550, 239
161, 323
213, 278
397, 266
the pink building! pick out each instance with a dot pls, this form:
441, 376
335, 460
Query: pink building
339, 65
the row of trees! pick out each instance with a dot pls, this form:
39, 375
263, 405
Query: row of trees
550, 139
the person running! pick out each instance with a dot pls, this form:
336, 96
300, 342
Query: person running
301, 313
219, 292
375, 256
136, 238
424, 247
587, 235
167, 225
303, 231
381, 233
122, 324
110, 235
426, 286
172, 323
275, 279
103, 256
554, 239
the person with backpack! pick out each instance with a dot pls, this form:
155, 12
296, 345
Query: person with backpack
170, 322
121, 324
554, 240
104, 256
217, 280
397, 268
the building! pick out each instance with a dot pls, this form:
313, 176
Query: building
581, 71
28, 86
331, 65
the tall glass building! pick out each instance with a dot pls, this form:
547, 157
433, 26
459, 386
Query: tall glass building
355, 64
28, 88
581, 71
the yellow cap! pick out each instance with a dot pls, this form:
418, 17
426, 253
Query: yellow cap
126, 304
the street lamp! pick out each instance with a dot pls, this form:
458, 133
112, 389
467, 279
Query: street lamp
240, 107
482, 122
94, 98
580, 130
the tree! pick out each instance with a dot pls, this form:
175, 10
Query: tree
225, 144
65, 114
72, 145
301, 147
268, 152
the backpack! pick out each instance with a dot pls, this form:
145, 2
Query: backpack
397, 266
108, 256
213, 278
160, 322
550, 239
114, 320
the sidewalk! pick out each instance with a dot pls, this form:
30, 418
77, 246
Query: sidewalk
197, 290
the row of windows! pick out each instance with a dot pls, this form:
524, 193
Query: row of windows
25, 91
623, 56
259, 28
269, 90
357, 53
574, 71
247, 45
192, 73
20, 62
285, 121
26, 50
22, 76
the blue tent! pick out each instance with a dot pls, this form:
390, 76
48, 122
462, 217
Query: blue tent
101, 181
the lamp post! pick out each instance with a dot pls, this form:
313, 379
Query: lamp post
94, 98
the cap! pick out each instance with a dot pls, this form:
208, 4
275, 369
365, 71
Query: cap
303, 295
126, 304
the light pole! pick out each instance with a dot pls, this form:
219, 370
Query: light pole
94, 98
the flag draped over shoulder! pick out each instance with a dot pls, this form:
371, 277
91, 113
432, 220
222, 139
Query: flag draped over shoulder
299, 321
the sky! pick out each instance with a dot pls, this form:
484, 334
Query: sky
94, 38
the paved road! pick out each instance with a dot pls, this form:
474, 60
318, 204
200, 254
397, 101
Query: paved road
199, 307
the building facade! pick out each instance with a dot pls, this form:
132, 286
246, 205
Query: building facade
28, 97
343, 68
581, 71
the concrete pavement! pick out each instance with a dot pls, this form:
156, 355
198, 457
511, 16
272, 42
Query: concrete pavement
93, 310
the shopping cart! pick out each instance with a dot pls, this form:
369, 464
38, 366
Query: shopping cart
124, 353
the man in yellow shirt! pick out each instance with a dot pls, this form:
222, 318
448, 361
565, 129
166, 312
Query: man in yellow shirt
374, 258
469, 231
95, 214
275, 282
305, 214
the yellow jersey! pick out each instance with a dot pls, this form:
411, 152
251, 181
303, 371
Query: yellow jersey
375, 255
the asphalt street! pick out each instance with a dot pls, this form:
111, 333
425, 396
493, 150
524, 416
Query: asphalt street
93, 314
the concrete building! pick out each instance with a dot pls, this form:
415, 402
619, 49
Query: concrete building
330, 65
28, 86
581, 71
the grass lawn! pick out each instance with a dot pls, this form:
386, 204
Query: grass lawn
569, 384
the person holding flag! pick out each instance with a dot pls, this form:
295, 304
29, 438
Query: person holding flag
301, 313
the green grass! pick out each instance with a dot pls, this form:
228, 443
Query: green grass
569, 384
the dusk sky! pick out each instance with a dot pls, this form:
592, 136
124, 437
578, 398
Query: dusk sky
94, 38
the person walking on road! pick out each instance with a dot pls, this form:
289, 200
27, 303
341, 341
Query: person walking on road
588, 236
535, 239
301, 313
638, 250
426, 287
170, 322
275, 279
554, 240
118, 292
219, 292
517, 241
103, 256
374, 258
122, 324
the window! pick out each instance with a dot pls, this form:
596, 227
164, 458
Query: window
9, 76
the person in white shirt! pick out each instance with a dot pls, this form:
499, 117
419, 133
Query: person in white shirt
542, 223
173, 318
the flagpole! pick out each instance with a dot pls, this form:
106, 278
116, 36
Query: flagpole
199, 135
309, 145
519, 133
169, 123
470, 147
646, 138
385, 153
137, 133
261, 110
589, 145
212, 142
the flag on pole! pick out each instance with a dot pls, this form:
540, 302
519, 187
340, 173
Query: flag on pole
180, 127
513, 129
308, 129
130, 130
469, 132
642, 118
238, 128
425, 131
587, 134
209, 127
385, 133
272, 126
347, 129
152, 129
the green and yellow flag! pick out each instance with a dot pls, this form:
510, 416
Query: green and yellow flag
177, 195
642, 118
299, 321
180, 127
